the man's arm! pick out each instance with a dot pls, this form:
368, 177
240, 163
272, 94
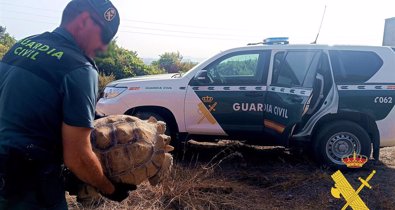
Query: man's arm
81, 160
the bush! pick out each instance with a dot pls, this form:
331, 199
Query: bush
103, 81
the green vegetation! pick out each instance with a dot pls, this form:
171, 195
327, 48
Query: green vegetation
118, 63
6, 41
171, 62
123, 63
103, 81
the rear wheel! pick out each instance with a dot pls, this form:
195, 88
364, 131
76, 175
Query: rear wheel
340, 139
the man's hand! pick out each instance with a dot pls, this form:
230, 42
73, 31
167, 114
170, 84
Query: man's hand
72, 184
121, 191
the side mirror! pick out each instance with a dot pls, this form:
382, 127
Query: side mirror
201, 77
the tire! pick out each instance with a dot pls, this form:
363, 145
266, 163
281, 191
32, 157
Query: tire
339, 139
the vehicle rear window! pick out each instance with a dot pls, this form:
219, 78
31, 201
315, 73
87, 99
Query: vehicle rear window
354, 66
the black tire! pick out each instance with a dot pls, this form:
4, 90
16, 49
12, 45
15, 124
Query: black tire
339, 139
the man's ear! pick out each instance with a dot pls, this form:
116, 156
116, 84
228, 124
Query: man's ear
83, 19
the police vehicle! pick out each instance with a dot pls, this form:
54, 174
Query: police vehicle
335, 99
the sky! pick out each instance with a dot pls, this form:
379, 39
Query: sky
202, 28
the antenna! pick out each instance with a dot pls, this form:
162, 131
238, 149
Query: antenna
322, 20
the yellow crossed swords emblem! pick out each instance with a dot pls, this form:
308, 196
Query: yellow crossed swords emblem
343, 187
207, 112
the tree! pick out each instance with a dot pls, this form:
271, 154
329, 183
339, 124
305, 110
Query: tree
6, 41
122, 63
171, 62
2, 31
186, 66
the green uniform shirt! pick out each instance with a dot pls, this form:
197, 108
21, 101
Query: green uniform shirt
45, 80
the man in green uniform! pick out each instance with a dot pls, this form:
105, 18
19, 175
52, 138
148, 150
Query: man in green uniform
48, 90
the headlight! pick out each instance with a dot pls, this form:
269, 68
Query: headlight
111, 92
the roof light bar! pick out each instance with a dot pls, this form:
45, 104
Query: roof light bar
276, 40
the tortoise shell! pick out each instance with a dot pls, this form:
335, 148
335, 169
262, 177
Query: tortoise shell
131, 150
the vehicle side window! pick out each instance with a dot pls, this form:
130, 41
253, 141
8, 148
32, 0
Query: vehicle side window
354, 66
246, 68
290, 69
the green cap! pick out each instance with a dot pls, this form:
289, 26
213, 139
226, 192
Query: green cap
105, 14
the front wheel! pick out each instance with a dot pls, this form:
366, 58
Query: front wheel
338, 140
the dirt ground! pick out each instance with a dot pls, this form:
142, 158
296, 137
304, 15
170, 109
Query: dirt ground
238, 176
278, 178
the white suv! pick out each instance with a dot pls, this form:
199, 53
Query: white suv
336, 99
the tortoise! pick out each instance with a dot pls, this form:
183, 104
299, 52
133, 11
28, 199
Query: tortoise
130, 151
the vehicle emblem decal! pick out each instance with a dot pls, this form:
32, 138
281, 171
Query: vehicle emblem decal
343, 188
355, 160
207, 112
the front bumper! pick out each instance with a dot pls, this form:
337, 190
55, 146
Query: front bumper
111, 106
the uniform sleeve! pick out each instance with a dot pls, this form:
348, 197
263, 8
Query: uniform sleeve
80, 88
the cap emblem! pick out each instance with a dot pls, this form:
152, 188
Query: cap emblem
110, 14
